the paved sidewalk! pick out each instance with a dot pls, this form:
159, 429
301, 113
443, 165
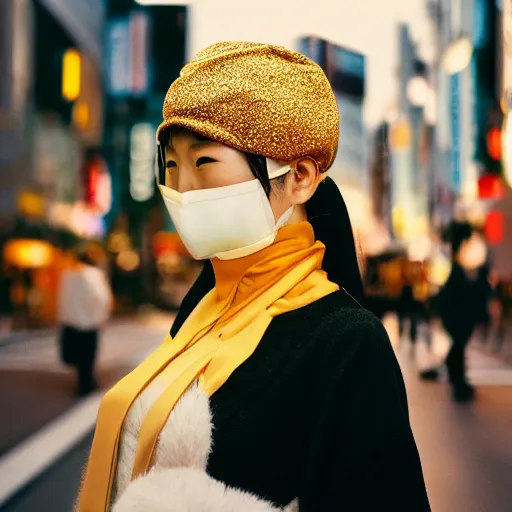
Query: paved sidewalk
35, 388
484, 367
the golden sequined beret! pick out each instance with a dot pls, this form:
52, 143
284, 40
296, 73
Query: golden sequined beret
257, 98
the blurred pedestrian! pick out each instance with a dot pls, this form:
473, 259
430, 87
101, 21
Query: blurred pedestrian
408, 310
84, 306
276, 390
462, 305
492, 325
6, 305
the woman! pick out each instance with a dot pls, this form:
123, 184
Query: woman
277, 390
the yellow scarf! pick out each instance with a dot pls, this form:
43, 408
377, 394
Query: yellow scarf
219, 335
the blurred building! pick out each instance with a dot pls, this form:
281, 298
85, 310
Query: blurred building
346, 71
409, 143
145, 50
51, 96
51, 111
381, 175
468, 87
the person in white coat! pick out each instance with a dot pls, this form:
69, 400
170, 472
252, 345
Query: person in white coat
84, 306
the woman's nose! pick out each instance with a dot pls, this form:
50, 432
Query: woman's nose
187, 181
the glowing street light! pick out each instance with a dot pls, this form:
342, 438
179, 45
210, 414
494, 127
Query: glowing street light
457, 56
418, 91
506, 141
71, 74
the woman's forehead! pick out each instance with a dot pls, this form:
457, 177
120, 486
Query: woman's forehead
177, 132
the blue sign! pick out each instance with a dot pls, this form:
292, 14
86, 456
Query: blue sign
455, 125
119, 72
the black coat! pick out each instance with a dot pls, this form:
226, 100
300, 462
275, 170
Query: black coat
319, 412
462, 301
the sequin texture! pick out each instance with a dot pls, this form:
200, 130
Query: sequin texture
257, 98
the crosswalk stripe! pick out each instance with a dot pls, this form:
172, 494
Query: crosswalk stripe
31, 457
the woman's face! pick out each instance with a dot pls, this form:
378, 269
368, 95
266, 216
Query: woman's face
196, 164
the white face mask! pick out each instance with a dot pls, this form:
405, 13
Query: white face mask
226, 222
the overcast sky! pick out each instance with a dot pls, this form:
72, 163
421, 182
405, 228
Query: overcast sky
369, 26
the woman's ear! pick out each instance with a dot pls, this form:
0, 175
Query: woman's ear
302, 181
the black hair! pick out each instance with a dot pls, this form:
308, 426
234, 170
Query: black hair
257, 163
258, 166
328, 214
456, 234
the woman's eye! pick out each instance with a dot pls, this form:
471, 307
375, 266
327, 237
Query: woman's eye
170, 164
204, 160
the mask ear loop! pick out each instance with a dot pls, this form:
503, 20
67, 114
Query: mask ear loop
160, 163
275, 170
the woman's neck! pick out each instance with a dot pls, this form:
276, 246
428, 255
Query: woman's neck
263, 266
299, 215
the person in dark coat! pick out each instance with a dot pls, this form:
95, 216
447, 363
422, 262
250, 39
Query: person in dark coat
462, 305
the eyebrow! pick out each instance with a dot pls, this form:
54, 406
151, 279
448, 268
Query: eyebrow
196, 145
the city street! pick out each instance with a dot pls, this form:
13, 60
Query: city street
141, 137
466, 449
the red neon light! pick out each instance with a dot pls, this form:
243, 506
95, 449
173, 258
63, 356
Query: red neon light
490, 186
495, 227
494, 143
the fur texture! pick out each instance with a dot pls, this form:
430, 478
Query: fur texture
186, 490
292, 507
178, 480
185, 440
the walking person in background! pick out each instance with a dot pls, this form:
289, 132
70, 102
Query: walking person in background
462, 304
84, 306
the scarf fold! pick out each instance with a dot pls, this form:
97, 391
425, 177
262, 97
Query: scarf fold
219, 335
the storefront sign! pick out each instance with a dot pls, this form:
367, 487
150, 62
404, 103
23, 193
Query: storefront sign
455, 122
127, 55
31, 204
139, 27
57, 158
142, 156
78, 218
28, 253
118, 57
97, 185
